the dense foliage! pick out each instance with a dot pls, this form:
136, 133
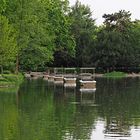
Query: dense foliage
35, 34
117, 41
8, 46
10, 80
84, 30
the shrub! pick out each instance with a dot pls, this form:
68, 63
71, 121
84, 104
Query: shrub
115, 74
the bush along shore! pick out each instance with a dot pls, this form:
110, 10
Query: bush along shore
10, 80
115, 74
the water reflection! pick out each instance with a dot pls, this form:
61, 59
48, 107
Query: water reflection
41, 110
119, 105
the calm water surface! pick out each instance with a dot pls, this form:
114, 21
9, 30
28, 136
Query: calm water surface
44, 111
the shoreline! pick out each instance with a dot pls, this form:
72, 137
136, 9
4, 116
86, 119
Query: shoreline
10, 80
96, 75
132, 75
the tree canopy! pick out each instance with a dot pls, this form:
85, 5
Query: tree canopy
116, 41
35, 34
8, 45
84, 30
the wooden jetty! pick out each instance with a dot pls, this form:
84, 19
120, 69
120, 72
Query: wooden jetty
58, 78
45, 77
87, 82
87, 86
51, 74
87, 98
36, 75
69, 82
27, 75
70, 77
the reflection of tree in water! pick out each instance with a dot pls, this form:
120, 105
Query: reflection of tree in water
81, 116
87, 98
117, 127
84, 122
50, 112
85, 117
45, 112
119, 104
8, 116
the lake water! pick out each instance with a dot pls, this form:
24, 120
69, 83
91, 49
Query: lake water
44, 111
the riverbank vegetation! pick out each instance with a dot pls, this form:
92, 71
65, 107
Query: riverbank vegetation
115, 74
35, 34
11, 80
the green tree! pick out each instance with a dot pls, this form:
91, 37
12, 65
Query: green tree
43, 30
118, 21
115, 41
40, 47
35, 35
8, 46
64, 40
84, 30
2, 5
15, 12
134, 54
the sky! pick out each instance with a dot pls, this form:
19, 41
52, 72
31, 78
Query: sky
100, 7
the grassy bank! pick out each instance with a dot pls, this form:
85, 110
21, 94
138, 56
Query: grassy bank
10, 80
115, 74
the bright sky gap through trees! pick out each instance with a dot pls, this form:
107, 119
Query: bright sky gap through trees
100, 7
